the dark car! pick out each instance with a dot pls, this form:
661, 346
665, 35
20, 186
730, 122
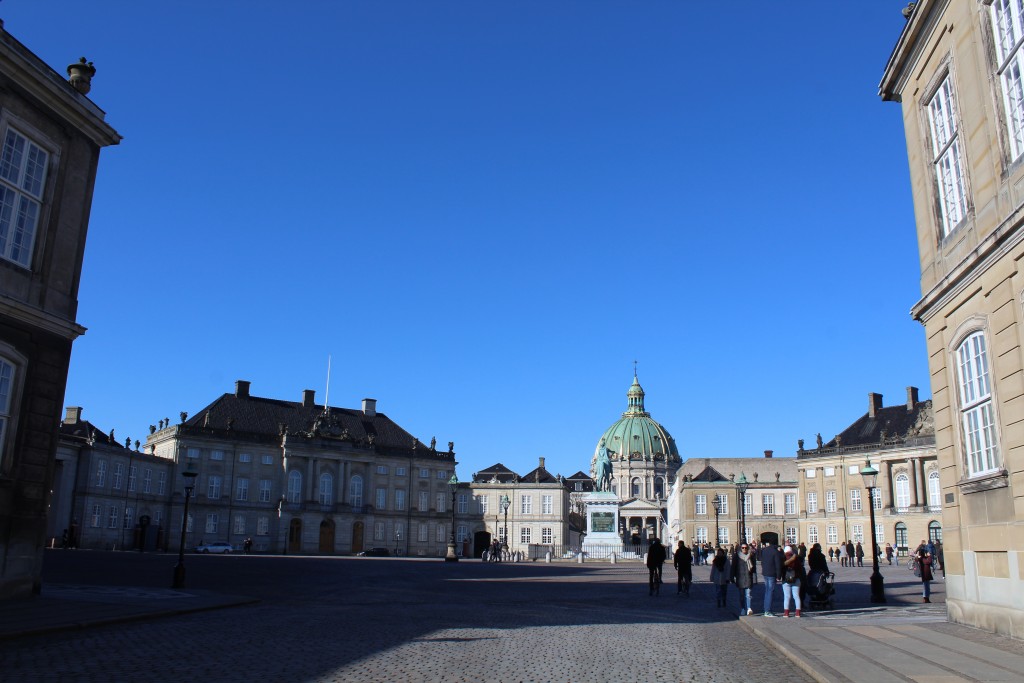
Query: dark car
374, 552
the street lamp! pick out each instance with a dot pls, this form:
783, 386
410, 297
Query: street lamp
179, 570
870, 475
398, 538
717, 502
505, 502
453, 486
741, 488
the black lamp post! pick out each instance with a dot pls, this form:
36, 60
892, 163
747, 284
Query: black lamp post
453, 486
505, 502
717, 502
741, 488
870, 475
179, 569
398, 538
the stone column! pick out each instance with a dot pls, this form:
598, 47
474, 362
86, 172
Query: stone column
310, 475
889, 482
922, 498
913, 482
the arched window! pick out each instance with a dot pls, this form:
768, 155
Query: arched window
934, 490
659, 487
294, 486
326, 489
934, 532
902, 482
355, 491
902, 539
981, 448
635, 487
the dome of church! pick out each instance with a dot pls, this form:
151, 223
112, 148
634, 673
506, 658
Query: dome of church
636, 436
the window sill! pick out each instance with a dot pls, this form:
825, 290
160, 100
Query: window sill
984, 482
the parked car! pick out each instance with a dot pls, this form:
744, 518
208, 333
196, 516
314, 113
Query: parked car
374, 552
218, 547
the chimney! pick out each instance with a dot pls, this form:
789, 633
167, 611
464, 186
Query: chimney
370, 407
72, 415
242, 388
874, 404
541, 463
768, 454
911, 399
308, 398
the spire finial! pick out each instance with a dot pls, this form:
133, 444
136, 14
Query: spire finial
634, 368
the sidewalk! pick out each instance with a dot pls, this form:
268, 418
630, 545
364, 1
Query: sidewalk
902, 640
64, 606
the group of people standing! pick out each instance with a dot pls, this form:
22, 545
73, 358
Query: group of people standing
846, 553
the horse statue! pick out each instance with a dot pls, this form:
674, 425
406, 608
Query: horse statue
603, 469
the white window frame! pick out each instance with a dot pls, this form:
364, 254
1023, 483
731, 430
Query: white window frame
101, 473
265, 490
858, 533
24, 177
262, 525
216, 454
700, 504
239, 524
748, 504
399, 499
812, 534
326, 488
482, 503
701, 534
876, 498
723, 504
355, 491
934, 489
242, 489
424, 501
381, 501
440, 499
133, 474
723, 535
547, 506
832, 534
526, 504
147, 480
213, 486
267, 459
831, 504
789, 504
1008, 36
463, 503
118, 475
856, 505
791, 535
294, 486
812, 502
901, 483
977, 407
422, 532
546, 535
525, 535
947, 157
97, 516
212, 522
245, 457
767, 503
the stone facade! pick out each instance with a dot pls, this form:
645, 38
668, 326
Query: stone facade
50, 140
955, 71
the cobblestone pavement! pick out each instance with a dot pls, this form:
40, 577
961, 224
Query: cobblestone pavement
368, 619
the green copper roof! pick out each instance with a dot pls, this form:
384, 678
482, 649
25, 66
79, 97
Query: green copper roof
636, 433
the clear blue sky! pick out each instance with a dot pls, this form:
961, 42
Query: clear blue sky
485, 211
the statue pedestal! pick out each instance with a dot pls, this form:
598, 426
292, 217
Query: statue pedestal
603, 539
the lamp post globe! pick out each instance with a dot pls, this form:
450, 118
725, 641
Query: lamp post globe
870, 476
189, 478
453, 486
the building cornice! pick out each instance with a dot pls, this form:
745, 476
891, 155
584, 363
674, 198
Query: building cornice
909, 48
66, 329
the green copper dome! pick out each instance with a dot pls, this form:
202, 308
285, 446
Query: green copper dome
635, 436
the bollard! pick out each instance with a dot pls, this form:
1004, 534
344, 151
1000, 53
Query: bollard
613, 558
547, 557
579, 558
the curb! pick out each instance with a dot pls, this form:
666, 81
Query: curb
791, 653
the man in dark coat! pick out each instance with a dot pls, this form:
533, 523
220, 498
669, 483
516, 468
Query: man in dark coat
771, 572
655, 558
682, 560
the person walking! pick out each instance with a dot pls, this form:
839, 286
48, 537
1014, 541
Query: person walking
924, 570
721, 575
888, 552
842, 554
771, 572
743, 577
860, 554
831, 554
792, 579
682, 560
655, 559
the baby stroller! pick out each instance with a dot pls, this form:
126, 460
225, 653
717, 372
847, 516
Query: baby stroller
821, 586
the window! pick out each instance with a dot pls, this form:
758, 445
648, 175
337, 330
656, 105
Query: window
1008, 28
424, 473
723, 504
524, 535
482, 502
294, 486
830, 501
832, 536
461, 533
812, 502
934, 532
147, 480
326, 489
118, 474
97, 514
442, 474
501, 534
212, 522
902, 482
422, 532
546, 505
161, 484
526, 504
440, 533
22, 180
217, 455
723, 535
382, 469
101, 473
265, 487
213, 483
855, 504
659, 487
463, 503
634, 486
934, 490
158, 517
399, 531
192, 453
876, 498
812, 534
749, 531
440, 501
239, 527
242, 489
378, 531
382, 499
791, 535
980, 443
399, 471
132, 477
880, 533
702, 534
400, 499
789, 504
424, 501
700, 504
853, 469
946, 158
112, 517
810, 473
267, 459
263, 526
355, 491
245, 457
748, 503
129, 515
768, 504
858, 533
830, 471
545, 535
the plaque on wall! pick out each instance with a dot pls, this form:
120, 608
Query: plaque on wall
602, 521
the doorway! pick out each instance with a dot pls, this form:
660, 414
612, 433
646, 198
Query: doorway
327, 536
295, 535
357, 537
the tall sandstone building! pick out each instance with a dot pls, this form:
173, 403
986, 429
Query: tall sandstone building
957, 72
50, 140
